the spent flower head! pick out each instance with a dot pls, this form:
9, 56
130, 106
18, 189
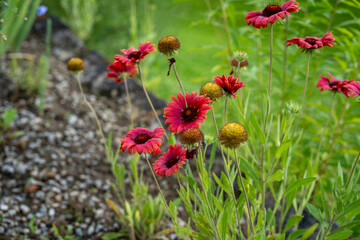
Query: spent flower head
191, 136
212, 91
168, 45
271, 13
232, 135
75, 65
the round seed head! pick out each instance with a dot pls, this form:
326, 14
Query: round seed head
75, 65
212, 91
191, 136
232, 135
168, 45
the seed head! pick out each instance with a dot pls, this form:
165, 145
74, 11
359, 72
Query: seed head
232, 135
75, 65
168, 45
191, 136
212, 91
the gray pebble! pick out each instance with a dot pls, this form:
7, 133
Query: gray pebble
24, 209
79, 232
4, 207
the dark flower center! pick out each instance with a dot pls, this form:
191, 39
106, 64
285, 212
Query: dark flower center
271, 10
142, 138
189, 114
311, 41
172, 161
135, 55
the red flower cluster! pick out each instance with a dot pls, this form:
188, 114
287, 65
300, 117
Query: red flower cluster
142, 140
170, 161
182, 115
271, 13
120, 70
347, 87
229, 84
313, 42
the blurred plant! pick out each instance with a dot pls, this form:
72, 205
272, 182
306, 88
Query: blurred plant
63, 233
15, 23
6, 132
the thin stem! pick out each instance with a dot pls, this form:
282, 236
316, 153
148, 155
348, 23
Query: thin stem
225, 111
304, 93
323, 133
244, 192
270, 78
332, 16
330, 225
239, 78
148, 98
129, 104
158, 186
91, 109
226, 27
178, 79
353, 169
285, 65
217, 130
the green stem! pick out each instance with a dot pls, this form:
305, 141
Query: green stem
303, 96
270, 78
129, 104
353, 169
332, 16
226, 27
245, 194
285, 65
323, 133
225, 111
214, 119
148, 98
178, 79
330, 225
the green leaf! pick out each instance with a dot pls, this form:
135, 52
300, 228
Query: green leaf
277, 176
296, 234
341, 235
282, 148
172, 139
9, 117
309, 232
340, 175
350, 225
299, 183
258, 130
350, 210
294, 219
222, 223
112, 235
315, 212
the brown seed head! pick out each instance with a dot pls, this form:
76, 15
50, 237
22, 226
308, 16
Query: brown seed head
212, 91
243, 63
232, 135
167, 45
75, 65
191, 136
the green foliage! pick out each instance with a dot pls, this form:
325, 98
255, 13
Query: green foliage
6, 132
16, 21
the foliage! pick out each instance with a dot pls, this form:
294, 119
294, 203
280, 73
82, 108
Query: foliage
6, 131
16, 21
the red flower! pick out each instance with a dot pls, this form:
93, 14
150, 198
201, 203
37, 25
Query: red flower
142, 140
133, 55
181, 117
261, 19
170, 161
230, 85
120, 70
347, 87
313, 42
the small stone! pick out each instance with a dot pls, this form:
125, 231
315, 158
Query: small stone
8, 170
4, 207
90, 230
79, 232
12, 212
24, 209
51, 212
50, 175
58, 198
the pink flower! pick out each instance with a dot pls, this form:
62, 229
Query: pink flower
133, 55
181, 116
142, 140
313, 42
347, 87
120, 70
229, 84
271, 13
170, 161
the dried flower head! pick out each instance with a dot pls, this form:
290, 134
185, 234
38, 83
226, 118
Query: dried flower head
243, 63
168, 45
347, 87
232, 135
75, 64
191, 136
212, 91
142, 140
170, 161
229, 84
271, 13
190, 154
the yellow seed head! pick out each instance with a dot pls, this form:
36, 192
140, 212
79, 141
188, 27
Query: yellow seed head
232, 135
212, 91
168, 45
191, 136
75, 65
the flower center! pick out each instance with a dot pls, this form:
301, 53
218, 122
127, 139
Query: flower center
189, 114
135, 55
142, 138
311, 41
172, 161
271, 10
